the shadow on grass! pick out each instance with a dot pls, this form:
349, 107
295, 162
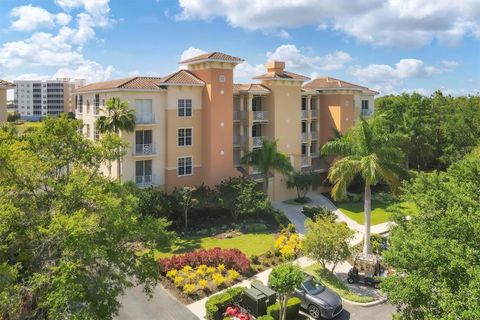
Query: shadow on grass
182, 245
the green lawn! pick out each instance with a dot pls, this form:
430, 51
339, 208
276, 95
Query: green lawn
354, 210
332, 282
250, 244
27, 124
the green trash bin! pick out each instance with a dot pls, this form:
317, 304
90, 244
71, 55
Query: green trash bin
255, 302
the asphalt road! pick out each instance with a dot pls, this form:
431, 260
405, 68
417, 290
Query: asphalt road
383, 311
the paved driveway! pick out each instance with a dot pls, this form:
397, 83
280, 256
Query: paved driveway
383, 311
162, 306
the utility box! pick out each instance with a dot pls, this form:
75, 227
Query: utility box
258, 298
268, 292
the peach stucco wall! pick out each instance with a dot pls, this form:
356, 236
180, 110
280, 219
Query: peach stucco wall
217, 124
336, 111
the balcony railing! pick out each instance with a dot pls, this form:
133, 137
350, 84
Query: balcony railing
255, 170
144, 149
314, 154
236, 161
304, 161
314, 135
260, 116
314, 113
304, 114
304, 137
238, 115
258, 141
144, 181
143, 118
238, 140
366, 112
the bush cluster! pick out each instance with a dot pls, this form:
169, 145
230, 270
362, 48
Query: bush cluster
230, 258
319, 212
202, 278
288, 244
216, 305
293, 308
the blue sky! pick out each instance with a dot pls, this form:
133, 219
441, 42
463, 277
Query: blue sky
392, 46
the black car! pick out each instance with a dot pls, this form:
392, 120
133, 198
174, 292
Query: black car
318, 300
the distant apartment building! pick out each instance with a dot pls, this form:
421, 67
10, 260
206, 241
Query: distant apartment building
194, 125
35, 99
4, 86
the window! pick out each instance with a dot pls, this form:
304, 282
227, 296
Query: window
304, 103
143, 142
88, 106
96, 135
185, 166
364, 104
143, 172
144, 112
185, 137
313, 126
97, 104
80, 103
87, 127
184, 107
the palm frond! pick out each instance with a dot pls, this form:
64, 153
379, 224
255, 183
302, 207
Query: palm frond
342, 173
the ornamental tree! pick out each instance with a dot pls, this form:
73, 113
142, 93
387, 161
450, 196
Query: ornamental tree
284, 279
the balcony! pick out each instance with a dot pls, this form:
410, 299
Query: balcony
260, 116
315, 154
144, 149
304, 136
238, 141
258, 141
367, 112
304, 161
314, 113
144, 181
145, 118
304, 114
314, 135
238, 116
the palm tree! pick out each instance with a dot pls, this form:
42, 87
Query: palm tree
267, 159
118, 117
367, 154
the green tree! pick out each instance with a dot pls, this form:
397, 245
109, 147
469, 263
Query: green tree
187, 201
366, 153
69, 237
119, 117
268, 160
435, 253
284, 279
327, 241
303, 182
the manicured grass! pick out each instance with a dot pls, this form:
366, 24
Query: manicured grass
250, 244
354, 210
331, 281
26, 125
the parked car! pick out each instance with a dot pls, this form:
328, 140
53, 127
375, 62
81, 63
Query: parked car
318, 300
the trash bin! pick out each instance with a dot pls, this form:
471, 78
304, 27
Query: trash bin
255, 302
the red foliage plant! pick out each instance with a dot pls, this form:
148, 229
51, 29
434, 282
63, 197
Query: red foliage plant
231, 258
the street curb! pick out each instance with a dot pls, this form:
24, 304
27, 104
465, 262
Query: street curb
367, 304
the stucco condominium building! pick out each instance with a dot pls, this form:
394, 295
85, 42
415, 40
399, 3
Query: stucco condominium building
4, 86
194, 125
35, 99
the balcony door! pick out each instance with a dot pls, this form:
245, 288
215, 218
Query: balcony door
144, 112
143, 172
143, 142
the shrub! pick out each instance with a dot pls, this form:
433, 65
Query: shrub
280, 218
287, 244
189, 288
319, 212
293, 308
254, 259
255, 227
216, 305
231, 258
266, 317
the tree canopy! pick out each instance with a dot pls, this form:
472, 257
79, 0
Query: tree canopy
69, 237
436, 253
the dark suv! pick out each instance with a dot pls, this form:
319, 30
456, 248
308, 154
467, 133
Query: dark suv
320, 301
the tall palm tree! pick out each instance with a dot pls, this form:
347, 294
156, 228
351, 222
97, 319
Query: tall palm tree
367, 154
267, 159
118, 117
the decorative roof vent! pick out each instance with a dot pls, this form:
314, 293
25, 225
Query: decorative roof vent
275, 67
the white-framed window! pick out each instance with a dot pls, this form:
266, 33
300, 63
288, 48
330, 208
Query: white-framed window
184, 137
87, 128
185, 166
88, 106
184, 107
143, 172
97, 104
96, 135
364, 104
79, 103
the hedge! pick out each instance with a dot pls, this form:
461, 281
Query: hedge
216, 305
293, 308
267, 317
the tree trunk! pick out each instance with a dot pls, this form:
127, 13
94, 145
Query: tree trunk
265, 182
185, 216
119, 170
368, 210
407, 163
284, 308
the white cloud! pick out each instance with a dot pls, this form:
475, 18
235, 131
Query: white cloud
298, 61
29, 76
190, 53
407, 23
244, 72
284, 34
390, 76
29, 18
89, 70
450, 64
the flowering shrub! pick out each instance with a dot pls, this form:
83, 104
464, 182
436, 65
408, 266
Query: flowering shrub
229, 258
288, 244
191, 280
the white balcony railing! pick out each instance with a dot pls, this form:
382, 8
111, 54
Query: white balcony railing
258, 141
237, 115
260, 116
304, 114
304, 136
314, 113
255, 170
144, 181
144, 149
304, 161
142, 118
238, 140
366, 112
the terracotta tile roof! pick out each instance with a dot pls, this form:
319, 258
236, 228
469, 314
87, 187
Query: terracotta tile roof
6, 84
181, 77
147, 83
331, 83
250, 87
212, 56
369, 91
285, 75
